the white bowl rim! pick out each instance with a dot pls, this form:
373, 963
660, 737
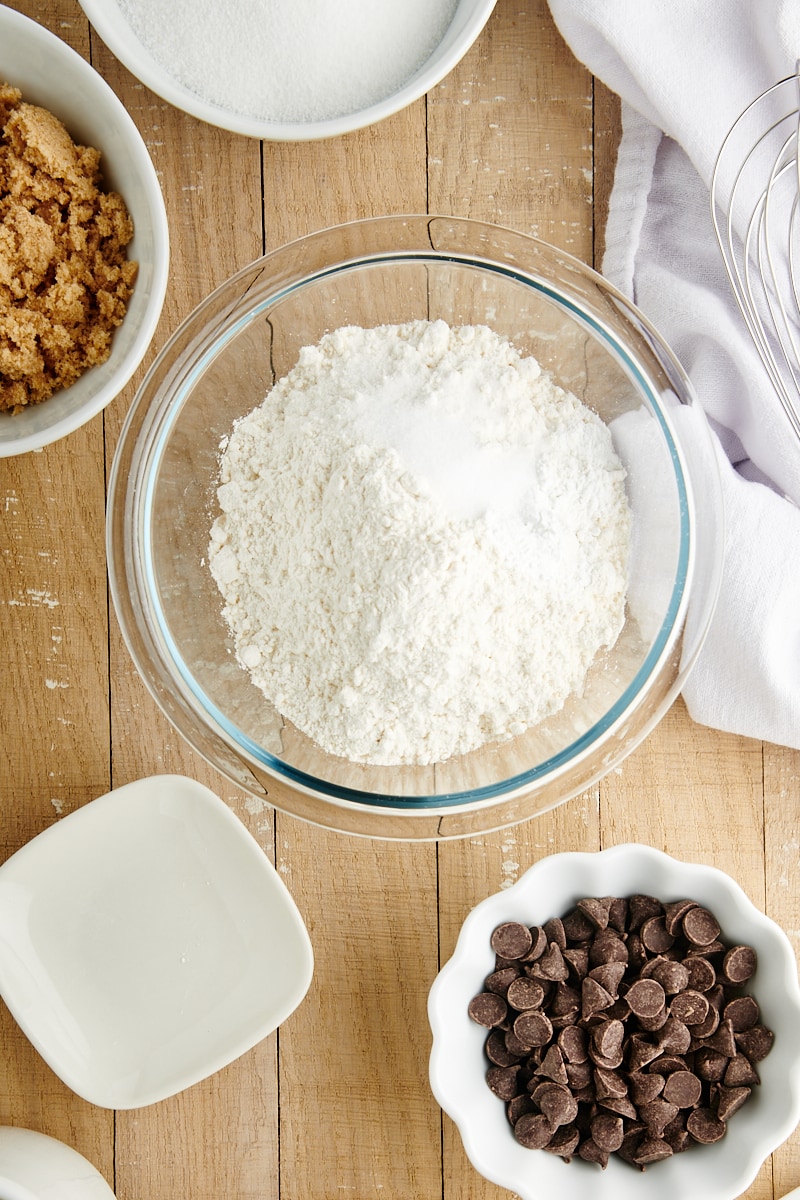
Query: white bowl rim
647, 863
93, 82
115, 31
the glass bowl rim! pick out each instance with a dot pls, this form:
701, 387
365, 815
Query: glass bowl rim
169, 406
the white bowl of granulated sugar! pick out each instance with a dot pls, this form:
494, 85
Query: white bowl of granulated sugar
414, 527
291, 70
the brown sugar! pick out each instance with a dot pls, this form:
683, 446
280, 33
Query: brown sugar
65, 279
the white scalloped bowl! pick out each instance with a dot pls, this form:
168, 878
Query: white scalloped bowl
49, 73
550, 888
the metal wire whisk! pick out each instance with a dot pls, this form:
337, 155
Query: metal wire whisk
755, 190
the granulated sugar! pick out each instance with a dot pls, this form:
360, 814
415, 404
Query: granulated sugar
423, 542
290, 60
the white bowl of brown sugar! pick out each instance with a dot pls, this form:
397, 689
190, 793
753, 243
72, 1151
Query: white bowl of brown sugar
618, 1025
84, 245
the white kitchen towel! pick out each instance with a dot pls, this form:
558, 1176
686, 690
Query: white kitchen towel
685, 69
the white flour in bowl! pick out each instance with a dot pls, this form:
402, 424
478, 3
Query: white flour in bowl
423, 542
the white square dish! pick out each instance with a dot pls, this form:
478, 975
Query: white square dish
147, 941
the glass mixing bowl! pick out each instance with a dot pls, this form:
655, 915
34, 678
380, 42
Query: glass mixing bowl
224, 360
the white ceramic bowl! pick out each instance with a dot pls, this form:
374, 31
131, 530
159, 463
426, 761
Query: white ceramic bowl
551, 888
34, 1166
114, 28
49, 73
148, 941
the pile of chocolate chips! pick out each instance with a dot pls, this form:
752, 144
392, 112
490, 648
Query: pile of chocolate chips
621, 1028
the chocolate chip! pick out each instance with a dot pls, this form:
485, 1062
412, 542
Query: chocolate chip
533, 1130
564, 1142
554, 931
533, 1028
631, 1142
503, 1081
690, 1007
756, 1043
578, 960
564, 999
620, 1105
557, 1103
710, 1064
511, 940
683, 1089
730, 1100
646, 998
672, 976
723, 1040
594, 998
551, 965
572, 1043
641, 1052
607, 1041
657, 1114
653, 1024
651, 1150
740, 1072
577, 926
640, 908
515, 1046
518, 1106
644, 1088
618, 914
488, 1009
739, 964
608, 1084
595, 910
700, 926
677, 1136
552, 1066
742, 1012
538, 944
705, 1028
609, 975
702, 975
524, 993
589, 1151
674, 1037
607, 947
498, 1052
674, 912
665, 1064
655, 936
580, 1075
607, 1132
499, 981
705, 1126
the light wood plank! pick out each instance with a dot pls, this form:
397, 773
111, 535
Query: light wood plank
353, 1058
55, 753
510, 141
782, 851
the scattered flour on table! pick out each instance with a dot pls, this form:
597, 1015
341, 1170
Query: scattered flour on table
423, 542
290, 60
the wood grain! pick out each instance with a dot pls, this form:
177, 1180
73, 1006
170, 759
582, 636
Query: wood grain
336, 1103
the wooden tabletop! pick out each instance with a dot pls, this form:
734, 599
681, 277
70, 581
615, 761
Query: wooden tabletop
336, 1104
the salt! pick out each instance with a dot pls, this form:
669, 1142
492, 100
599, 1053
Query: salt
290, 60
